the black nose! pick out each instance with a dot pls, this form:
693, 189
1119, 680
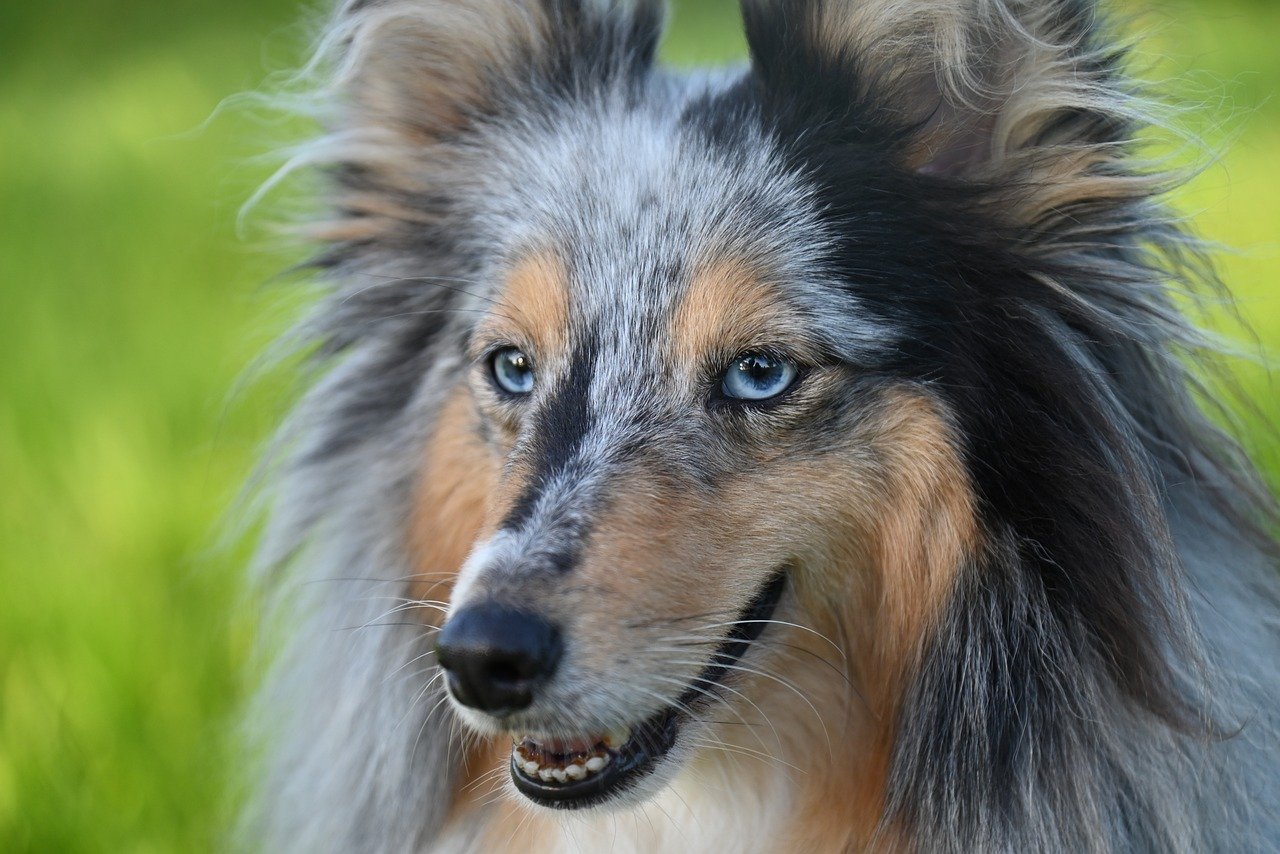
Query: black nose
494, 657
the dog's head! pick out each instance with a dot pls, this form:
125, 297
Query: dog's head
711, 360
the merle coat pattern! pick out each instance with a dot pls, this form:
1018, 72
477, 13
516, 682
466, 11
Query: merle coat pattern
938, 205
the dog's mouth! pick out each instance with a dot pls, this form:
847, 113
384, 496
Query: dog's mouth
577, 773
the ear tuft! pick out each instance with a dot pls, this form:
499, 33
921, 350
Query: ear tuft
423, 67
428, 67
405, 80
970, 90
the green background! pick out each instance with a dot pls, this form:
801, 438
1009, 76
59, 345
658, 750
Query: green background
130, 311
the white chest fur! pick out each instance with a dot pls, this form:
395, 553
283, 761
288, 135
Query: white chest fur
726, 804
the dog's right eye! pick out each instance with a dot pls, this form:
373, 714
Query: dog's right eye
512, 371
757, 377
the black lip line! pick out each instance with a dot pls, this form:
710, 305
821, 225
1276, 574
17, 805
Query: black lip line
626, 769
747, 628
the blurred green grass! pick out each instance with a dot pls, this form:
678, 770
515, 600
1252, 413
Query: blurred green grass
129, 309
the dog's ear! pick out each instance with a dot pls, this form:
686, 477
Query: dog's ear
428, 68
421, 69
405, 80
970, 89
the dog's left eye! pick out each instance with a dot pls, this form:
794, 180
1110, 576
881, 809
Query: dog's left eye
512, 371
758, 376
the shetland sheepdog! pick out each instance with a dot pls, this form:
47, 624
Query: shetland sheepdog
808, 456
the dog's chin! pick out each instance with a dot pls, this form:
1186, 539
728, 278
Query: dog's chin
608, 770
634, 760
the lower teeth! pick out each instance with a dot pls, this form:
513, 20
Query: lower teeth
537, 765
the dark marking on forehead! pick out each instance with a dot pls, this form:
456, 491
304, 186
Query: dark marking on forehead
559, 428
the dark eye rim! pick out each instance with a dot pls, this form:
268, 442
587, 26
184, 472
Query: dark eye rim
720, 400
490, 361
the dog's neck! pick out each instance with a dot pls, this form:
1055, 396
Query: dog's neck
717, 803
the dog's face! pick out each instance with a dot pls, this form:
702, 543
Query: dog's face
685, 341
682, 453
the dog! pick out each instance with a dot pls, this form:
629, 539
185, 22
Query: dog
806, 456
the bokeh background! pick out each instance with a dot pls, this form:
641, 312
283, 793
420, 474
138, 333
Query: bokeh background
131, 308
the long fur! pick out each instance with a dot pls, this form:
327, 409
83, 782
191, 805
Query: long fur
1104, 673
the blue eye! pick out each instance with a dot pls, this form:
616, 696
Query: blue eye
512, 371
756, 376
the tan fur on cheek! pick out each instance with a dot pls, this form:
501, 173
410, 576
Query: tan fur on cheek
928, 528
906, 522
883, 571
923, 530
451, 509
645, 549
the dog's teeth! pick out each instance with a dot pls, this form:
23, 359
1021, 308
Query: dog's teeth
535, 763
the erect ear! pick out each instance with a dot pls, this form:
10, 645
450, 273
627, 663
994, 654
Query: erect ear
421, 68
429, 67
971, 89
407, 79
